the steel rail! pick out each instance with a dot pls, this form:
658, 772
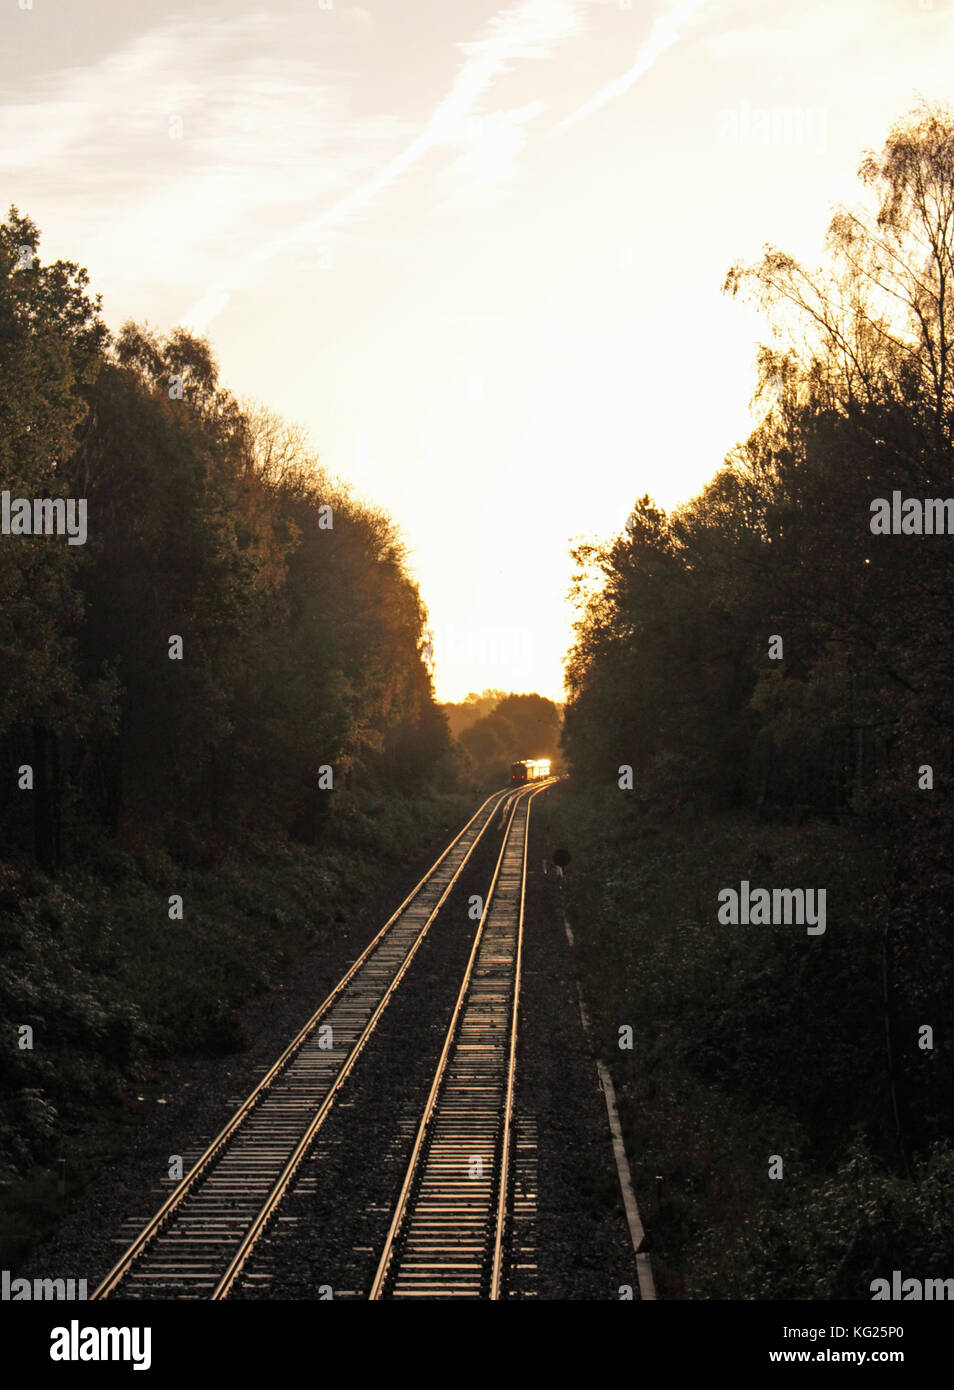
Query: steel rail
424, 1140
219, 1145
497, 1271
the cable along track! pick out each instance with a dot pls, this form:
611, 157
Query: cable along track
197, 1243
448, 1236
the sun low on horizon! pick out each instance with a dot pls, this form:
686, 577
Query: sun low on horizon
477, 250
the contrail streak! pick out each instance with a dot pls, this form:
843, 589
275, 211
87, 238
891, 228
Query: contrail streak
665, 33
531, 29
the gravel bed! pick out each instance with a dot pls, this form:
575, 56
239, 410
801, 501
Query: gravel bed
336, 1218
334, 1222
187, 1100
329, 1234
583, 1246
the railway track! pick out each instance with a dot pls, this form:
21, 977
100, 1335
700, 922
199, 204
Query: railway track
450, 1230
201, 1238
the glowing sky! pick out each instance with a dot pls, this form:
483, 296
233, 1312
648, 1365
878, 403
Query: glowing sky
476, 248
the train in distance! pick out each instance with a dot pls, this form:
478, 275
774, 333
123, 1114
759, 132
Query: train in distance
530, 770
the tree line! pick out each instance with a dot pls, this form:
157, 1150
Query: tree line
495, 729
302, 638
766, 649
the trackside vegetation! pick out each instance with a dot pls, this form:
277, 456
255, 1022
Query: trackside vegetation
217, 721
773, 661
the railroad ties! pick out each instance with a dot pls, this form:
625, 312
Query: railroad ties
197, 1243
449, 1233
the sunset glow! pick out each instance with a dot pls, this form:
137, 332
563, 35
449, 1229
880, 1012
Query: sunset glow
476, 249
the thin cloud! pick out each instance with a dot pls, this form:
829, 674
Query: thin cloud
665, 32
266, 134
357, 17
492, 153
532, 29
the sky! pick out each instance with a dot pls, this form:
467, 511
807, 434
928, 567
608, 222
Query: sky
476, 248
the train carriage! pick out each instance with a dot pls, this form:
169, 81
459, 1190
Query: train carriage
529, 770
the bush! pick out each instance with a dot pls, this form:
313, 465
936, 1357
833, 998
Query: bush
832, 1241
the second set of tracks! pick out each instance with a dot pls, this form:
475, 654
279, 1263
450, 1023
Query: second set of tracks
454, 1224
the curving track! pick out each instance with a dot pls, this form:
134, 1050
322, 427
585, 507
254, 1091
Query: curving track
450, 1231
198, 1242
